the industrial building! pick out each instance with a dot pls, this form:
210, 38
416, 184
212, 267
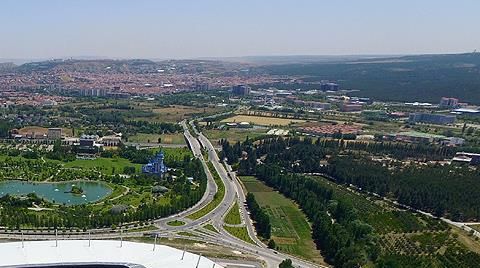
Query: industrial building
427, 118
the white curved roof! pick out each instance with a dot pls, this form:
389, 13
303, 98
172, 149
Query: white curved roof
100, 251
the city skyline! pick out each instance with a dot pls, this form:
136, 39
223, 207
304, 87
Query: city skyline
212, 28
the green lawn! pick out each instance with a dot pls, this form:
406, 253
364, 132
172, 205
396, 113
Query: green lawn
106, 165
233, 215
290, 228
211, 228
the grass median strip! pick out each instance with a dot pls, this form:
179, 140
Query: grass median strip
175, 223
211, 228
217, 198
233, 215
240, 233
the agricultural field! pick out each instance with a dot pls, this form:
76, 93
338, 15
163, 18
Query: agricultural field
176, 138
233, 135
290, 228
262, 121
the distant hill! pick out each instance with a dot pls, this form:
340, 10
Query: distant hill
95, 65
406, 78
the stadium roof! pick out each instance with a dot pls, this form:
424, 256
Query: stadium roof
100, 252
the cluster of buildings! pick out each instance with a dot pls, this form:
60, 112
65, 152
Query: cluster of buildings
52, 134
93, 92
11, 98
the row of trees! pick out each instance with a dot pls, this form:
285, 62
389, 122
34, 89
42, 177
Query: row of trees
262, 221
344, 239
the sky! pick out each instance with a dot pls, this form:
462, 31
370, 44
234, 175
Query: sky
165, 29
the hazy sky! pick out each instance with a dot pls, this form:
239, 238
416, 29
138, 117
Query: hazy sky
213, 28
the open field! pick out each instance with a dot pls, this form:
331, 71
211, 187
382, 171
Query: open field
41, 130
290, 228
177, 113
262, 121
176, 138
105, 165
233, 135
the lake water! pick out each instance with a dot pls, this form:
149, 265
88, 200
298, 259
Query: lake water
56, 191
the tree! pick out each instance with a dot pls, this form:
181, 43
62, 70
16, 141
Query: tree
272, 244
286, 264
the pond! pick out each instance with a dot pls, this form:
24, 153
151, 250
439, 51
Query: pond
57, 192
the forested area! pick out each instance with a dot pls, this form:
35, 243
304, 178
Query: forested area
314, 150
409, 78
443, 190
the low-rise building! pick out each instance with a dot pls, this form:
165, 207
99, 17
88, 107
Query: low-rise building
438, 119
110, 141
467, 158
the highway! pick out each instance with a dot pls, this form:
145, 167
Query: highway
233, 193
